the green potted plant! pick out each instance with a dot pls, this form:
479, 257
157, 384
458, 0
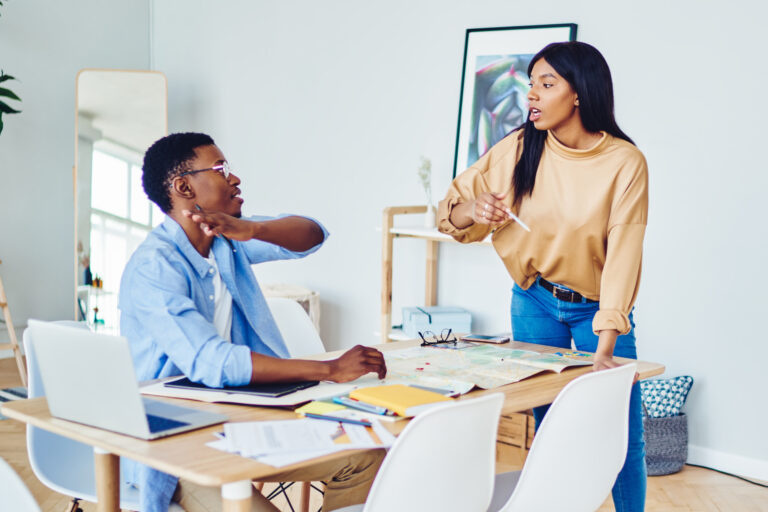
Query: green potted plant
5, 108
6, 93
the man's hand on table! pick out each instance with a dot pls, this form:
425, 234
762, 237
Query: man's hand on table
355, 363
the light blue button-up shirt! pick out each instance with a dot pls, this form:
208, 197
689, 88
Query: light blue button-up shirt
166, 312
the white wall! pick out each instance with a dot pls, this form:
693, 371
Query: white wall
44, 44
324, 107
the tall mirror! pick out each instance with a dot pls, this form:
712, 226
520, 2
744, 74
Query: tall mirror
119, 115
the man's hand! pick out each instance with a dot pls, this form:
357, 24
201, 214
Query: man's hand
355, 363
217, 223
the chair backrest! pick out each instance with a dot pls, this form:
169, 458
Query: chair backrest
443, 460
62, 464
579, 447
297, 328
14, 495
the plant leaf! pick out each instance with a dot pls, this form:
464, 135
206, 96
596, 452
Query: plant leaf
1, 123
9, 94
4, 77
6, 109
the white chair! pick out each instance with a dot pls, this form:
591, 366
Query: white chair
578, 450
64, 465
443, 460
302, 339
297, 328
14, 495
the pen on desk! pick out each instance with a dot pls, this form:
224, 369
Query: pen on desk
338, 420
356, 404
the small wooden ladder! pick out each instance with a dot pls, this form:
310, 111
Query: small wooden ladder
14, 344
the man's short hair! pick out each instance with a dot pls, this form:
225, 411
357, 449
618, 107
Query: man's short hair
166, 159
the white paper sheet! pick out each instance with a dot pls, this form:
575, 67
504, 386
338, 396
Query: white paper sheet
281, 443
255, 438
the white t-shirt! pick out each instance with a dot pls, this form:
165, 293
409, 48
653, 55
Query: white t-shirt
222, 299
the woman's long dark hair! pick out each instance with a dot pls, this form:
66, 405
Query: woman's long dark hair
585, 69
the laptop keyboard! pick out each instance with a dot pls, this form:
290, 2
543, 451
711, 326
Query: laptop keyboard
159, 423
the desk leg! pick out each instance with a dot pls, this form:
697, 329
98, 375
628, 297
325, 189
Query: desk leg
107, 466
306, 491
236, 497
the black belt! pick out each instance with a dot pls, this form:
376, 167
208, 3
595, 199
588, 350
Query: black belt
562, 293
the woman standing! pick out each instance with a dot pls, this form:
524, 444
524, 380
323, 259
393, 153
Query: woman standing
581, 185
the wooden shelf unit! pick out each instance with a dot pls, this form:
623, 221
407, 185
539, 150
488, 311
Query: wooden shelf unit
516, 430
431, 236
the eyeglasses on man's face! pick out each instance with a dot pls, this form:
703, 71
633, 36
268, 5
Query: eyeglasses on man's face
224, 169
428, 338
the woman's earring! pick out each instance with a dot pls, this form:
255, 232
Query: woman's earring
577, 103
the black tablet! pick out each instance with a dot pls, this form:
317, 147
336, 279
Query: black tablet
273, 390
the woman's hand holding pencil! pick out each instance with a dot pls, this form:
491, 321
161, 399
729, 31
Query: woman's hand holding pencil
489, 208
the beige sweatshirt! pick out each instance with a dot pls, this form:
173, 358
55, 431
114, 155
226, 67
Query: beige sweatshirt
587, 215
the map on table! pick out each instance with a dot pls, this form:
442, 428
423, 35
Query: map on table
484, 366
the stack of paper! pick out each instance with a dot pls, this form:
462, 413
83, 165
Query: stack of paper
280, 443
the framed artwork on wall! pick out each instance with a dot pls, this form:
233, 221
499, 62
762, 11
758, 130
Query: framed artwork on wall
494, 84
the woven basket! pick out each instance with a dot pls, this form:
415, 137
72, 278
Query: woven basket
666, 444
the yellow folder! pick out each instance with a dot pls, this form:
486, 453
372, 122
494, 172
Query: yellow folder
404, 400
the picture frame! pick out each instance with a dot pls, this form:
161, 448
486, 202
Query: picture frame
494, 84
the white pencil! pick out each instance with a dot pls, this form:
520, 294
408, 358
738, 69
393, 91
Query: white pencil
517, 219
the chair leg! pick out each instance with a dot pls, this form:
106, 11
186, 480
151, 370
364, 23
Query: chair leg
305, 493
281, 488
320, 487
73, 506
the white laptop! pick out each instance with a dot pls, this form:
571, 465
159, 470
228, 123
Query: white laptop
89, 378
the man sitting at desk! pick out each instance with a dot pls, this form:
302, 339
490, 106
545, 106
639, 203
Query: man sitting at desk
190, 304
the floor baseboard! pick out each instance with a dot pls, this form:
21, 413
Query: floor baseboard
738, 465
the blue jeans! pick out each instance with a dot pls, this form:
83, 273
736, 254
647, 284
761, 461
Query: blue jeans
538, 317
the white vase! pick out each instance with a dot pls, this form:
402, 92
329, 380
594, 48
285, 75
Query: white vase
429, 217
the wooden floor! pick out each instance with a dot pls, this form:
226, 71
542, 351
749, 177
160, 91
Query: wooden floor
693, 489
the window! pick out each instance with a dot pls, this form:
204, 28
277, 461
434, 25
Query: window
121, 217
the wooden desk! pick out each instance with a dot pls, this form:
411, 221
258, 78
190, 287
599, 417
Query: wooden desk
185, 455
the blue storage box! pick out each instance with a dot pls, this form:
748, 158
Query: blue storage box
435, 319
